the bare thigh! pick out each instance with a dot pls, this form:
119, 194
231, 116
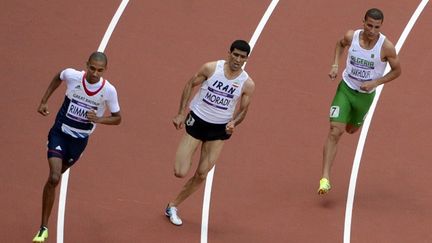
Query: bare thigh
210, 152
56, 170
185, 151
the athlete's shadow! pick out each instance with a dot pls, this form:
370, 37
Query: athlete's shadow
327, 202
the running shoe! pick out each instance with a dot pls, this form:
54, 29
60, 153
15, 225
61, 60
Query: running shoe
41, 235
324, 186
171, 213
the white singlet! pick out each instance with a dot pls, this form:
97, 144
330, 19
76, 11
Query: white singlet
216, 100
363, 65
81, 97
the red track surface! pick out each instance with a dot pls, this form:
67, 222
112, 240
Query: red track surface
265, 182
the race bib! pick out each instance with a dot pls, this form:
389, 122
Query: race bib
361, 69
218, 99
334, 111
78, 111
360, 74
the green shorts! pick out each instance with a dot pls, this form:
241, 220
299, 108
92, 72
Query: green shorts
350, 106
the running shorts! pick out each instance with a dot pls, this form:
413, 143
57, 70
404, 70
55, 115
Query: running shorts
204, 131
350, 106
64, 146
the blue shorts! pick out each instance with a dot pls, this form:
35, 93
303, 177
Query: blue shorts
65, 147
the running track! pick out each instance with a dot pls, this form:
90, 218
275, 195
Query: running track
265, 182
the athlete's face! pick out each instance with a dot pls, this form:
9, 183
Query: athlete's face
236, 59
95, 69
371, 28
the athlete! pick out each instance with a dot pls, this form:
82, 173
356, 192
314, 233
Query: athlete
369, 51
212, 118
87, 95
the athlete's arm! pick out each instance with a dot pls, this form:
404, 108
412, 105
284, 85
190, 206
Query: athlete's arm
248, 89
389, 55
114, 119
203, 74
392, 58
113, 106
43, 106
339, 49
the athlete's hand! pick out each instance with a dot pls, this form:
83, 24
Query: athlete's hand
333, 72
178, 121
229, 129
91, 116
368, 86
43, 109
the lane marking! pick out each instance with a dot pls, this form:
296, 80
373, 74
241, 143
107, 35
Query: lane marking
364, 131
65, 177
210, 175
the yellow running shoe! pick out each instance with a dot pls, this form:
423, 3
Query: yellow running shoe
41, 235
324, 186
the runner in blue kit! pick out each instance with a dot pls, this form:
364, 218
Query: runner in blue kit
218, 107
369, 51
87, 95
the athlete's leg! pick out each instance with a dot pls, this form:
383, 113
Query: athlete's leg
210, 152
340, 112
185, 151
56, 169
330, 147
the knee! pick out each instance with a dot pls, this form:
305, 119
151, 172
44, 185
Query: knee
180, 171
54, 179
201, 174
179, 174
335, 133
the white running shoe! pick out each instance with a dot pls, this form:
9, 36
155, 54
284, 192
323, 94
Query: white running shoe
171, 213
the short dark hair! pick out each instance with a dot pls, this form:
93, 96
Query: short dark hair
374, 13
98, 56
240, 45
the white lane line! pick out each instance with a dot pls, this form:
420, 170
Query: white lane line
65, 177
364, 131
62, 206
209, 180
112, 25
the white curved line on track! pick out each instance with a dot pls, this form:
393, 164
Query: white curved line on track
65, 177
365, 129
209, 180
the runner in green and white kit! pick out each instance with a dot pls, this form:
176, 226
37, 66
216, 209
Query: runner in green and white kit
369, 51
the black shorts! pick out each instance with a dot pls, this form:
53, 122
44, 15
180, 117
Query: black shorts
65, 147
204, 131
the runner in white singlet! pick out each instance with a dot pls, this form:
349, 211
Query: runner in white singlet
369, 51
87, 94
218, 107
